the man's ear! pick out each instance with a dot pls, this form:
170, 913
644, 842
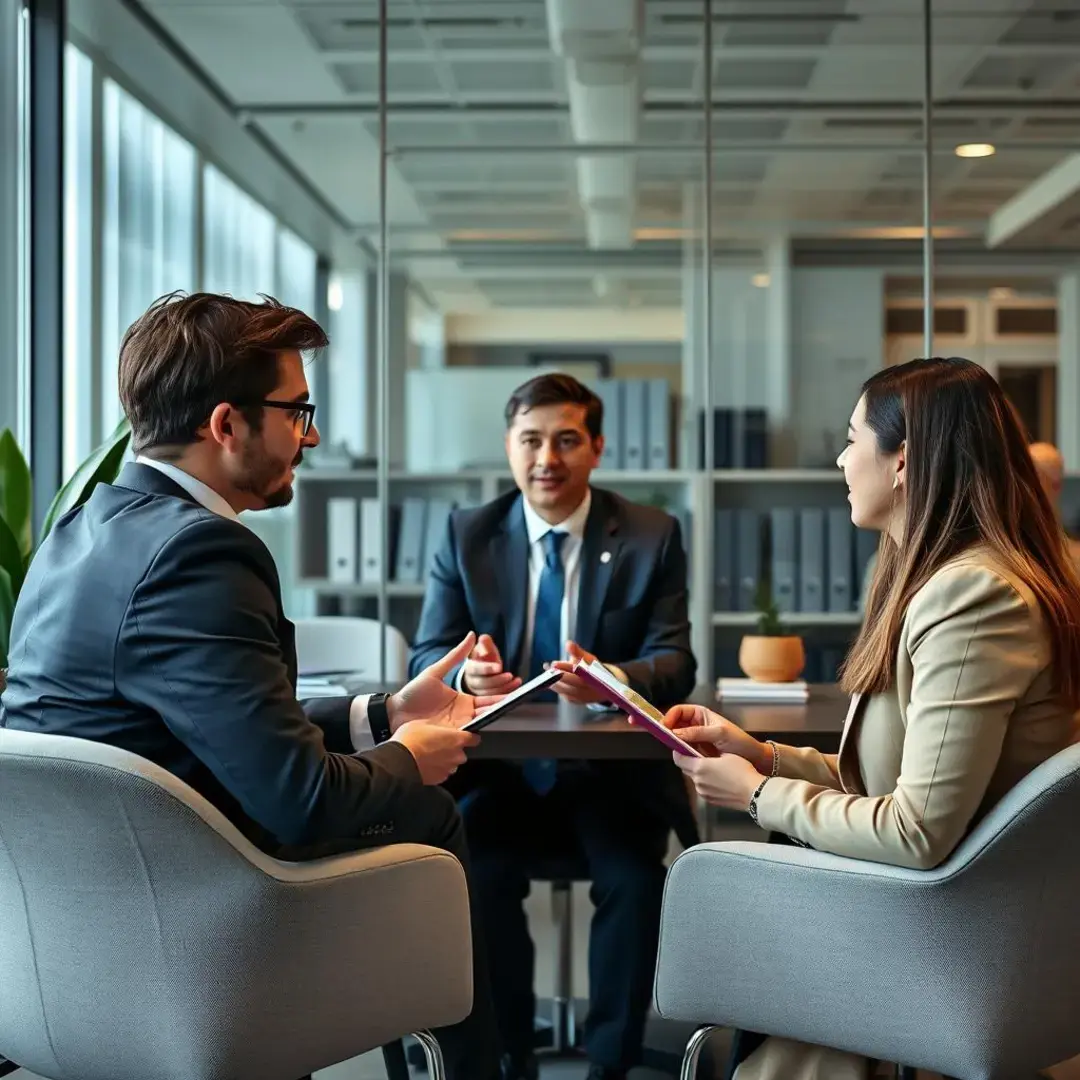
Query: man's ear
224, 425
598, 447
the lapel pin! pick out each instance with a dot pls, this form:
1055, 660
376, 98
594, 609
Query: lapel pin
605, 556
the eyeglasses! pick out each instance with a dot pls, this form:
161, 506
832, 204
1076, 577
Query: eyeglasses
303, 412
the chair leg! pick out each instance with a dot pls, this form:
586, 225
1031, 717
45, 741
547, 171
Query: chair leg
436, 1068
693, 1051
397, 1067
563, 1035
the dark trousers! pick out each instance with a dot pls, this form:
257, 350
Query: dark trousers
509, 828
428, 815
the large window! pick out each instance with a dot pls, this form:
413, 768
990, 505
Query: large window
238, 239
296, 272
14, 178
148, 224
81, 430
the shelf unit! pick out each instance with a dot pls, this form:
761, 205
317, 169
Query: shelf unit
691, 495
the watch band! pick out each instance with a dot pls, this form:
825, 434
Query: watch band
378, 714
752, 808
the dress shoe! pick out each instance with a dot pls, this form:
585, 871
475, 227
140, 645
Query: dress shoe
600, 1072
520, 1068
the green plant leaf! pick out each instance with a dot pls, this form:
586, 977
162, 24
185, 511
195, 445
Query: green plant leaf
15, 504
12, 561
100, 467
7, 610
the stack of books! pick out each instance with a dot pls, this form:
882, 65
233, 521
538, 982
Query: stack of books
315, 686
792, 693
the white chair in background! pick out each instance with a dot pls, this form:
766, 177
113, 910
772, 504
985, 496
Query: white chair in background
335, 644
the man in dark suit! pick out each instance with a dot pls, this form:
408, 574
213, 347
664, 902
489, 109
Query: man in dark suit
552, 572
151, 619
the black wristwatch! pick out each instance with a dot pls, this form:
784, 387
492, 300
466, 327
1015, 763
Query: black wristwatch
378, 713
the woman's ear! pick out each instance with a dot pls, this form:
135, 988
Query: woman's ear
900, 477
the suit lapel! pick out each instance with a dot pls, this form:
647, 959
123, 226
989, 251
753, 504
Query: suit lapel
510, 557
599, 557
847, 740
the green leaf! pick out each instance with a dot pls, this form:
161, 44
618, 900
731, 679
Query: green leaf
100, 467
7, 610
12, 561
15, 491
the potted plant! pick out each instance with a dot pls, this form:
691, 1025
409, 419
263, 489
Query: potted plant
772, 654
17, 544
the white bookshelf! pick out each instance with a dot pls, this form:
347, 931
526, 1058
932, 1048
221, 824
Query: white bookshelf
681, 491
796, 620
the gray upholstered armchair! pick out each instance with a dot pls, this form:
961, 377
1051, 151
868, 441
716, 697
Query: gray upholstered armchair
970, 969
141, 935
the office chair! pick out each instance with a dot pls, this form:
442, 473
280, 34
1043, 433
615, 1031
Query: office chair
968, 969
143, 935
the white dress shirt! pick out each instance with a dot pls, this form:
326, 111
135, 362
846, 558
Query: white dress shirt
537, 528
209, 499
202, 493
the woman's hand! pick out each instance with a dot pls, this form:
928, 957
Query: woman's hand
713, 735
728, 781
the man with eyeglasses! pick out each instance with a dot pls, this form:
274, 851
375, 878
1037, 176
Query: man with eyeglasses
151, 619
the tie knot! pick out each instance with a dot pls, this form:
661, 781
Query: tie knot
553, 542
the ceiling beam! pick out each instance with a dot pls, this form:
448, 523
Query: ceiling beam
1049, 201
734, 107
519, 54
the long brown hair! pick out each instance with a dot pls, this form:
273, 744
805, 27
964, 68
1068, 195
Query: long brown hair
969, 480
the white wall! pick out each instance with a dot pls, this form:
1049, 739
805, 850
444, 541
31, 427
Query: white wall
506, 326
838, 330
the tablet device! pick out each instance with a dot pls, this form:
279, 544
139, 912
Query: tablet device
513, 699
629, 701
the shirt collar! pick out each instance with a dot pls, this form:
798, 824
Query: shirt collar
202, 493
574, 525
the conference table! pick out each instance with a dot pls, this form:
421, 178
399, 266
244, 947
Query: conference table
573, 732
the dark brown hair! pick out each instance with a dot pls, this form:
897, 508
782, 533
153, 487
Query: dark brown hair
969, 480
189, 353
557, 389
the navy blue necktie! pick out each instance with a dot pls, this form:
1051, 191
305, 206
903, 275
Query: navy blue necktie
547, 641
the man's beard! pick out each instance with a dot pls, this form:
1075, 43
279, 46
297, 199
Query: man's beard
263, 476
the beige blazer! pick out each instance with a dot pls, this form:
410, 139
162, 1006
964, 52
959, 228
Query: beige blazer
971, 713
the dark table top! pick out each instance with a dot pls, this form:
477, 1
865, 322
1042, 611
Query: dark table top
561, 730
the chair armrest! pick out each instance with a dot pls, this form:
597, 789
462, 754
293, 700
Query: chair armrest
794, 942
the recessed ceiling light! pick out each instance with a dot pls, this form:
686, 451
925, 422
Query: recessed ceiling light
760, 281
976, 149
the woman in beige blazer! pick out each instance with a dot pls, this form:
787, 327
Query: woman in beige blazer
966, 673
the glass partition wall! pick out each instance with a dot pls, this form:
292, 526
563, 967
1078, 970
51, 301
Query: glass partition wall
724, 215
542, 173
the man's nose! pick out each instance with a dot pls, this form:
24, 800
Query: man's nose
547, 455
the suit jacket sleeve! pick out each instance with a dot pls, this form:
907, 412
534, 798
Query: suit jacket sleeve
975, 646
445, 617
200, 646
664, 670
332, 715
806, 763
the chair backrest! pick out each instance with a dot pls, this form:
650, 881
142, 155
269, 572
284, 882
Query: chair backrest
343, 644
1007, 928
113, 874
141, 935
